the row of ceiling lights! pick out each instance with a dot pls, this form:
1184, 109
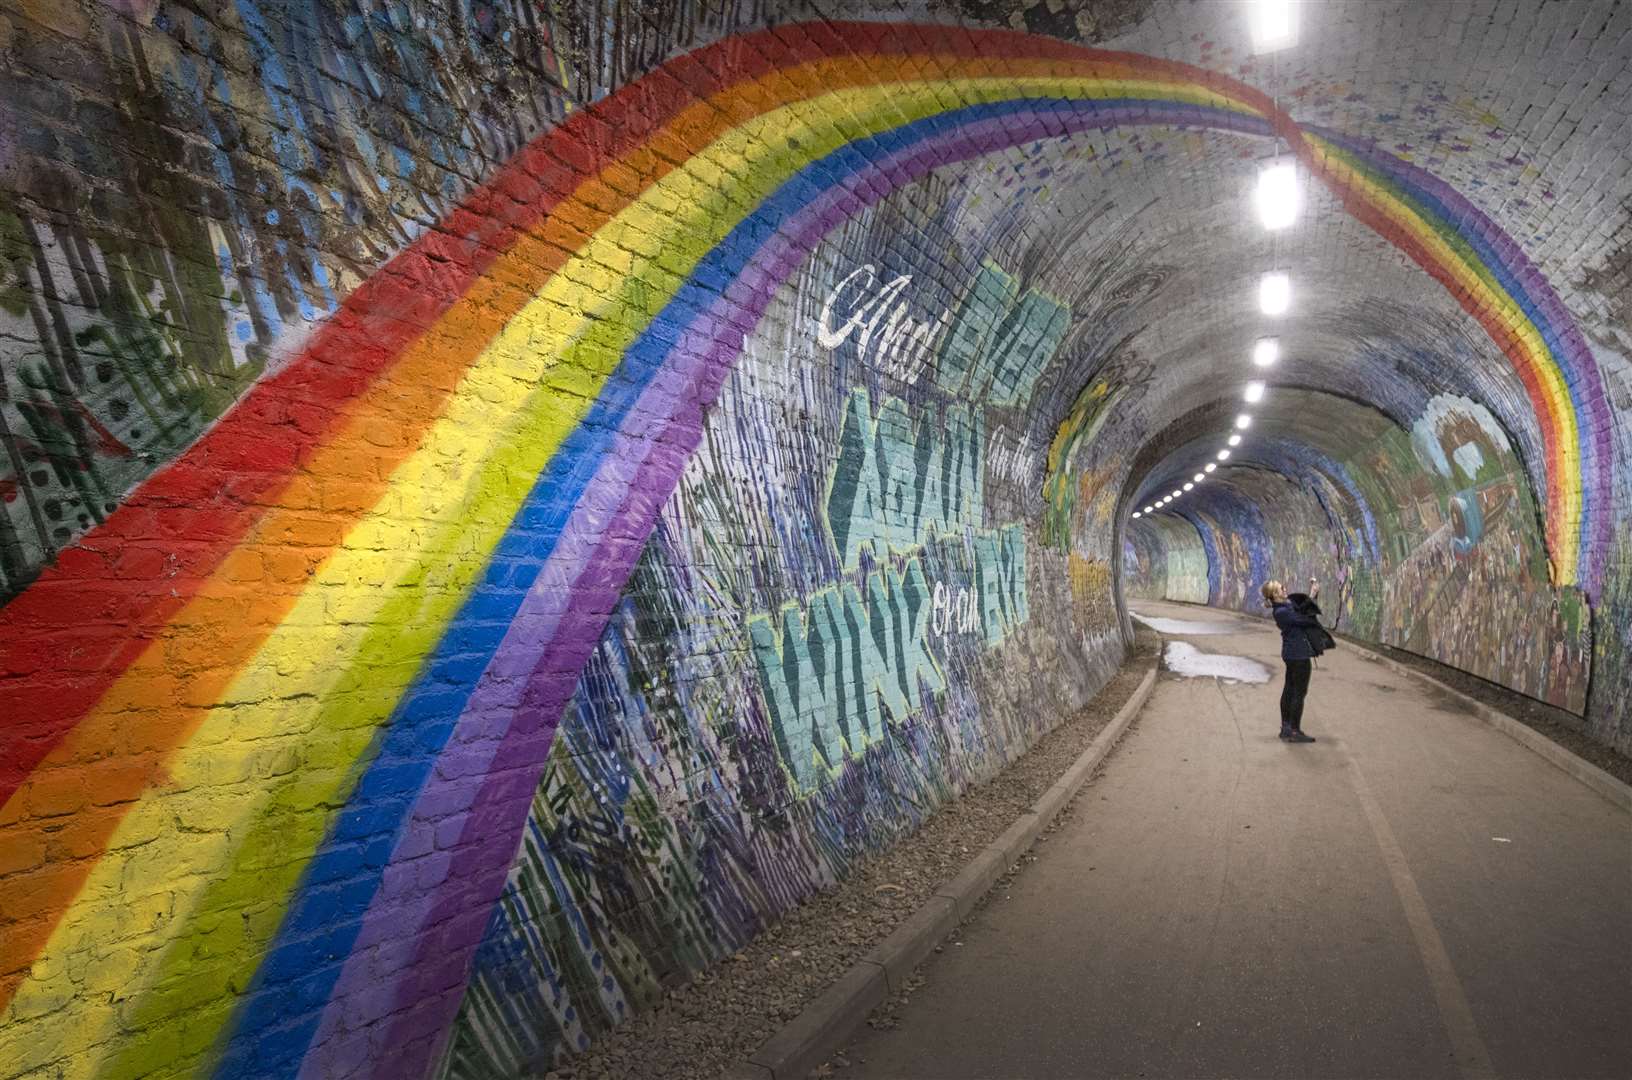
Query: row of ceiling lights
1278, 199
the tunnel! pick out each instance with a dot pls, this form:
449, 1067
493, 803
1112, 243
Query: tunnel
506, 504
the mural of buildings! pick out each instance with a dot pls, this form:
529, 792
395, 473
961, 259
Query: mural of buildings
501, 503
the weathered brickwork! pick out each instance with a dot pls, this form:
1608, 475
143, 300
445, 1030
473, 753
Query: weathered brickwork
498, 508
1424, 538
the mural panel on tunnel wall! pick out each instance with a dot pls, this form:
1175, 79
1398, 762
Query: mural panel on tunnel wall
1083, 475
441, 641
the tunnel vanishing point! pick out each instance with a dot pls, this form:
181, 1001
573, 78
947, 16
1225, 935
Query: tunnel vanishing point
501, 502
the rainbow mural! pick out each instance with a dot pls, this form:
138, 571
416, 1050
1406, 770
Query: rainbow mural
372, 586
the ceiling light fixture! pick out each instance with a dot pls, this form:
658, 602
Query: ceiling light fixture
1274, 294
1277, 197
1274, 25
1243, 421
1210, 467
1254, 392
1177, 493
1196, 478
1234, 440
1136, 513
1223, 455
1265, 351
1187, 487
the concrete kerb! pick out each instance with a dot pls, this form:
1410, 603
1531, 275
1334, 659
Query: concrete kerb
1585, 771
823, 1026
809, 1038
913, 940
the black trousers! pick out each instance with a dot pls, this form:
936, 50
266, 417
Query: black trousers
1293, 693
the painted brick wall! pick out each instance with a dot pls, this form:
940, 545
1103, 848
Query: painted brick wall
1427, 539
496, 577
499, 508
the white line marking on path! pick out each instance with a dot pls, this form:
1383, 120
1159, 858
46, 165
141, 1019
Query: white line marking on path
1472, 1059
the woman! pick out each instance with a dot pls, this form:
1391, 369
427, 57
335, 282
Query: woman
1302, 639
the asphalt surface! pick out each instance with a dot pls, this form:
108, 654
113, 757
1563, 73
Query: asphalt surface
1414, 895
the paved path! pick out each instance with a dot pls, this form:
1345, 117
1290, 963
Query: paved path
1414, 895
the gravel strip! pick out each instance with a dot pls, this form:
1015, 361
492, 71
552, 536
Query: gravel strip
888, 1015
724, 1014
1563, 727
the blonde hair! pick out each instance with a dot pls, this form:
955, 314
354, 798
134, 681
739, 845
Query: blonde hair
1271, 590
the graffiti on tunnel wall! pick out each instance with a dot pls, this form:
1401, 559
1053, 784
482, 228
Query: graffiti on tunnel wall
1459, 572
1164, 559
188, 191
482, 492
809, 731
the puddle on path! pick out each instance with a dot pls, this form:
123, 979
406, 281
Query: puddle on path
1185, 626
1185, 659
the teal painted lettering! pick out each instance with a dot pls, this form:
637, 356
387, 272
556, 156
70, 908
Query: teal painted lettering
855, 499
1012, 572
990, 296
896, 483
1027, 342
895, 453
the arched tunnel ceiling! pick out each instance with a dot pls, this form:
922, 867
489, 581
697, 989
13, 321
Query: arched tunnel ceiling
1170, 210
1169, 213
1294, 432
502, 446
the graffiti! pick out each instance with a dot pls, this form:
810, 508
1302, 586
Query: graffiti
854, 654
1000, 581
1001, 340
828, 673
900, 347
452, 596
1009, 460
223, 184
1612, 655
1458, 572
1068, 485
898, 484
899, 481
956, 610
996, 348
1090, 590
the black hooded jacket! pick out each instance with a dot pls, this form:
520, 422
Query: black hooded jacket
1302, 635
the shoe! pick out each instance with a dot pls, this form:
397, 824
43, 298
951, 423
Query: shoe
1286, 733
1298, 736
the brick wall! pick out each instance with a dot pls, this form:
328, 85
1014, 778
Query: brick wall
1426, 538
498, 508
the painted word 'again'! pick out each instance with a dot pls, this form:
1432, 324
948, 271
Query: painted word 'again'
896, 481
